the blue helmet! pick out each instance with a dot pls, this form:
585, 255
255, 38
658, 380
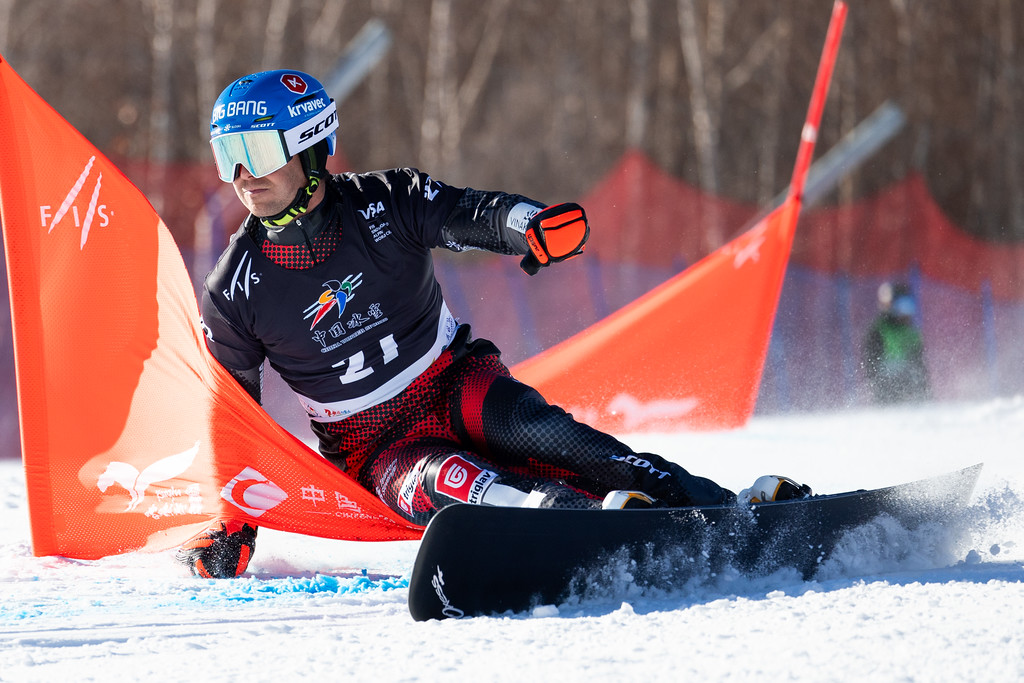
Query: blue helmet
264, 119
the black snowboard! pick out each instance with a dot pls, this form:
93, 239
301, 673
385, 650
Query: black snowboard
477, 560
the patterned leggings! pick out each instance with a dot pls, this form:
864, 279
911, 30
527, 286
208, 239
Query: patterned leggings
466, 431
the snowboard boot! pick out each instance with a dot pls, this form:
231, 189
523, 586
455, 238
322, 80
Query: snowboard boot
773, 488
627, 500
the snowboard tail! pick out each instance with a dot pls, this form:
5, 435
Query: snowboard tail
476, 560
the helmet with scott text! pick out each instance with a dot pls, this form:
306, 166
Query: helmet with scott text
264, 119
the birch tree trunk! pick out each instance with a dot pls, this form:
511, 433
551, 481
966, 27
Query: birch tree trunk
770, 52
207, 90
468, 93
160, 120
905, 63
1009, 85
980, 147
274, 34
843, 92
705, 103
637, 107
321, 35
6, 17
207, 86
446, 103
437, 88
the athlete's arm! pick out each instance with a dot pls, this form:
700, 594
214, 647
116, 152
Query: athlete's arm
493, 221
499, 222
232, 348
512, 224
251, 380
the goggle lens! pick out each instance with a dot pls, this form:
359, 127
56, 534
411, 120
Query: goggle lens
260, 151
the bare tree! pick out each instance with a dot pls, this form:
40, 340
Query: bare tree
206, 93
468, 92
447, 103
1006, 98
6, 16
161, 13
437, 85
275, 32
206, 65
905, 63
637, 108
769, 52
321, 35
980, 150
703, 71
668, 137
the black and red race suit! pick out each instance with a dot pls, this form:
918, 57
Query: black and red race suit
347, 310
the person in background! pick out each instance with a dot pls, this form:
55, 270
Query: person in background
893, 353
331, 280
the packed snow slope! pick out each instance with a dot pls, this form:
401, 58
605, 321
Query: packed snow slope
938, 604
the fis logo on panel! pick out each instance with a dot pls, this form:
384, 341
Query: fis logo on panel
95, 212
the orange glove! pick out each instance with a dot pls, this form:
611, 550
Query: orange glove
555, 234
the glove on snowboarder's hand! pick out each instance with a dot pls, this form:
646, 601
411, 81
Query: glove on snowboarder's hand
555, 234
220, 552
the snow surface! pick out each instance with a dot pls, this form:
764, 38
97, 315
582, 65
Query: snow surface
937, 605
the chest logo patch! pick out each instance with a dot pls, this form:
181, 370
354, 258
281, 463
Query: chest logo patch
334, 298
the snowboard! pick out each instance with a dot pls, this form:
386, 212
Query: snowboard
476, 560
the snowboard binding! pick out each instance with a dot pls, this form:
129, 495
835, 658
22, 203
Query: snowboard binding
773, 488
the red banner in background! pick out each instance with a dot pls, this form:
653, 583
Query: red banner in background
638, 212
889, 232
132, 435
901, 227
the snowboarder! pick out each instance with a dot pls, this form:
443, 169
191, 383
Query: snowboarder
330, 280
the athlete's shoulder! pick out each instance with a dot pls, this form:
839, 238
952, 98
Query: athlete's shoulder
403, 181
385, 176
239, 248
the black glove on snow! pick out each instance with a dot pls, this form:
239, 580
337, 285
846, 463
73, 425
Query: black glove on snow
220, 552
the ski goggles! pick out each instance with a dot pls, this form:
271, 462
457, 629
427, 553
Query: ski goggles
261, 152
264, 151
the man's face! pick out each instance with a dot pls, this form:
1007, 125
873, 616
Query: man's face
272, 193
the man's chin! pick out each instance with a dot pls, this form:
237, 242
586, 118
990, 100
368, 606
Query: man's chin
261, 211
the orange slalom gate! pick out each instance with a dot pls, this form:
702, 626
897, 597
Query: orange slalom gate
133, 436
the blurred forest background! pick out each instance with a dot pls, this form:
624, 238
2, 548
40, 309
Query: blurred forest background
543, 96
